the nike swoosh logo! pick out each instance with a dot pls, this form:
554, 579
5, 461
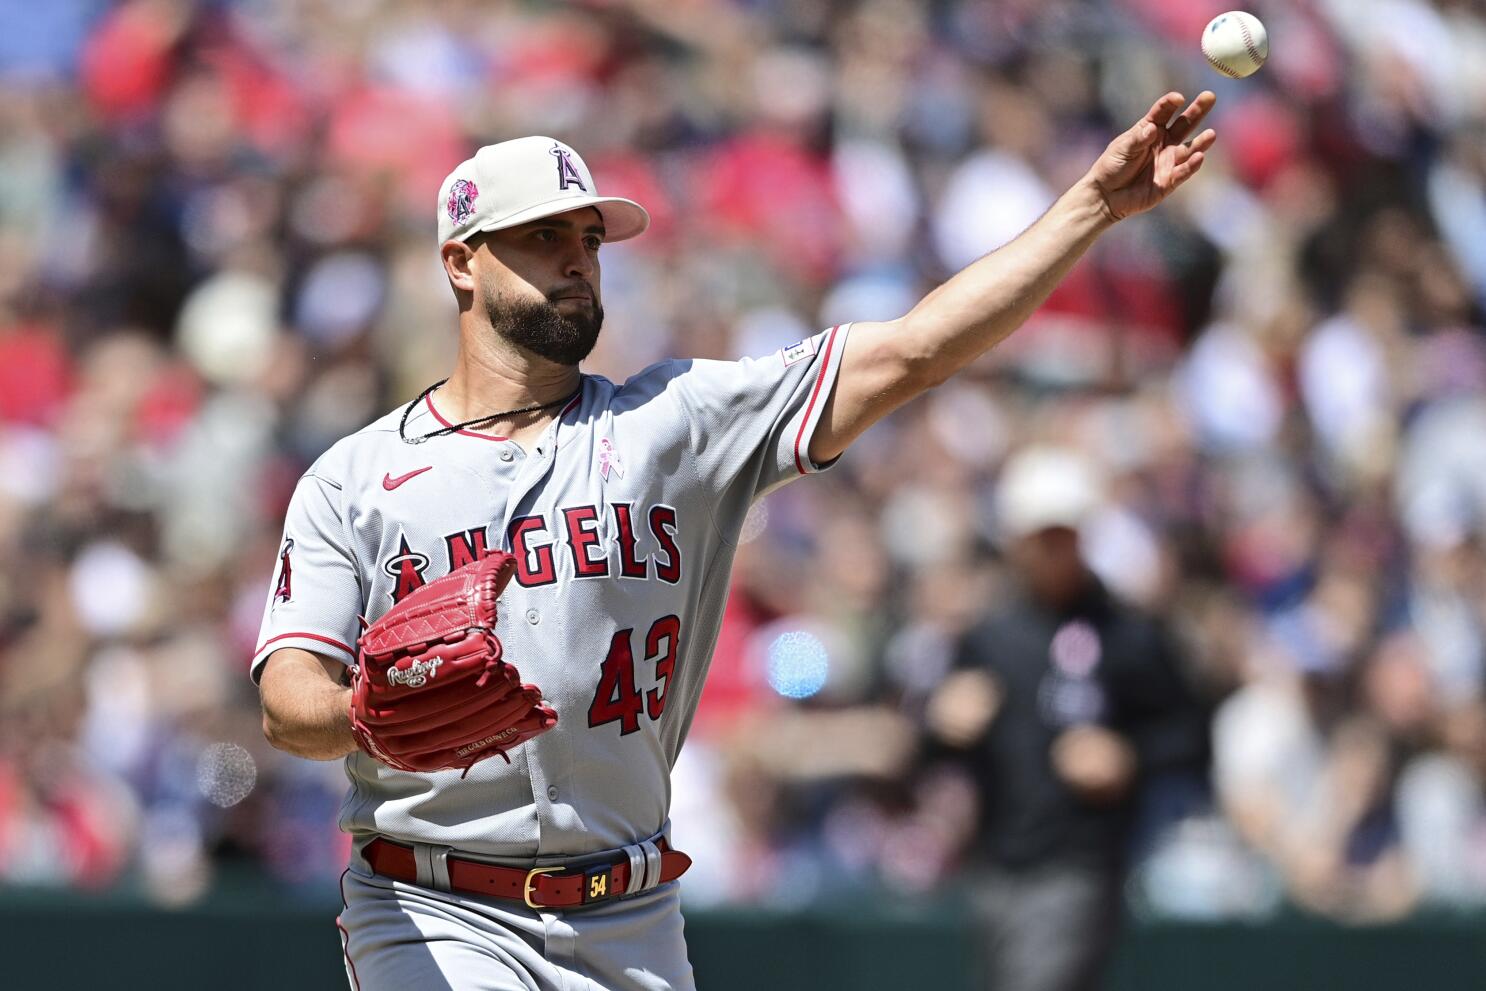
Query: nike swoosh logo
389, 483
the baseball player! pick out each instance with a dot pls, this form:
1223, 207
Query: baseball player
498, 602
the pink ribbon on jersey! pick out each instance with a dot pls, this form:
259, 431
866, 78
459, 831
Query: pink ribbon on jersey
609, 459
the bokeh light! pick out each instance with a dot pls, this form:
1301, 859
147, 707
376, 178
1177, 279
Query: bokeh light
798, 664
755, 523
226, 774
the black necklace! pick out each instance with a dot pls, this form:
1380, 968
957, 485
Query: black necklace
402, 426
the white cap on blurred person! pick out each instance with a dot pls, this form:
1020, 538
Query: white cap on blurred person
525, 179
1045, 487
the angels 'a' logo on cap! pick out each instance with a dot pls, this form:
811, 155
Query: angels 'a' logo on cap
461, 204
567, 172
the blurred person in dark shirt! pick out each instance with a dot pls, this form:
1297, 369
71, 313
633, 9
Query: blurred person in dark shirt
1068, 707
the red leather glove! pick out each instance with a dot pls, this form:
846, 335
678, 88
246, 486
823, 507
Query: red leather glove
430, 690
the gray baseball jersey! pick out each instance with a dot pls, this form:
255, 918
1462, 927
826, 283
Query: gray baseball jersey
623, 519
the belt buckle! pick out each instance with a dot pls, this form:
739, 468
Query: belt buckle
527, 889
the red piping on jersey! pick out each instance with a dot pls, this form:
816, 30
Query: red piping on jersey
307, 636
345, 936
346, 952
820, 378
565, 411
468, 433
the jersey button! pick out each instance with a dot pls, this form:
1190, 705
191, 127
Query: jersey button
533, 617
552, 793
507, 454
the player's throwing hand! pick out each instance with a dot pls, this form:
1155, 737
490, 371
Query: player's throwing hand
1141, 167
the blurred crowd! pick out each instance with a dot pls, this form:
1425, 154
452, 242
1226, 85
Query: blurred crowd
217, 257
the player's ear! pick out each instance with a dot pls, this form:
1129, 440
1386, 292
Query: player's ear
458, 258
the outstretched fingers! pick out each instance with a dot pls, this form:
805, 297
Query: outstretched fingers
1203, 141
1178, 163
1186, 170
1180, 153
1192, 118
1133, 144
1162, 110
1147, 132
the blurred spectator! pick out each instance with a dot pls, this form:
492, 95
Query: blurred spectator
1072, 709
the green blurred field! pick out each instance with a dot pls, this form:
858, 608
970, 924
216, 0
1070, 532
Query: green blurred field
250, 940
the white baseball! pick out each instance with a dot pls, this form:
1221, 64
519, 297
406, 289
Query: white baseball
1235, 43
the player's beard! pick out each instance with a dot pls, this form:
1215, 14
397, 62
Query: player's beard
540, 327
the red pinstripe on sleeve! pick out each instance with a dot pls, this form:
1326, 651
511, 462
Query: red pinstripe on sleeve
255, 669
820, 378
305, 636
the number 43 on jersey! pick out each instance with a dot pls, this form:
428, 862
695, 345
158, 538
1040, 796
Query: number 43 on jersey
617, 698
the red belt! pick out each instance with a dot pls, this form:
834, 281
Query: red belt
537, 887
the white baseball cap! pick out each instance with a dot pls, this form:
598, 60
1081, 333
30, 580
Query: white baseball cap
1043, 487
525, 179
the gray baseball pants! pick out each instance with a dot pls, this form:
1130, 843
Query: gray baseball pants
398, 936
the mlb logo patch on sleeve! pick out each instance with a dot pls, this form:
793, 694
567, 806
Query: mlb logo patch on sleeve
799, 352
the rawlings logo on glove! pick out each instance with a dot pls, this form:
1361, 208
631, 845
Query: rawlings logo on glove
476, 708
415, 675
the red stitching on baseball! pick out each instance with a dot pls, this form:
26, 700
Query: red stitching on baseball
1221, 67
1248, 42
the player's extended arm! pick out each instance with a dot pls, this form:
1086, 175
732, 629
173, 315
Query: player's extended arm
306, 709
887, 364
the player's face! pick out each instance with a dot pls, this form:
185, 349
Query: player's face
539, 284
